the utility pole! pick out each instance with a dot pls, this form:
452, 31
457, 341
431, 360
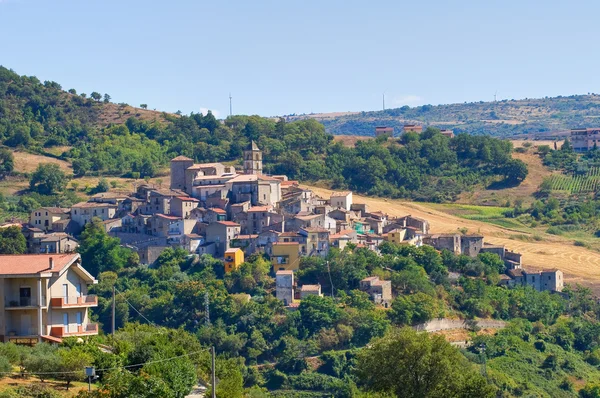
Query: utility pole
213, 375
230, 109
113, 312
330, 280
482, 350
206, 309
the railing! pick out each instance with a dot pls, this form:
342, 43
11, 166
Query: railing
62, 331
74, 301
20, 302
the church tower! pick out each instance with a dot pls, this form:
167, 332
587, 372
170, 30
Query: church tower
253, 159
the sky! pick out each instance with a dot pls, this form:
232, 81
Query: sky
289, 56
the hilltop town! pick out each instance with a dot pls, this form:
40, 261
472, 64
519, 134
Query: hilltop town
214, 209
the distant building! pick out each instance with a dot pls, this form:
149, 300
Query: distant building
83, 213
45, 217
585, 139
544, 280
384, 131
310, 290
284, 286
415, 128
341, 200
447, 133
253, 162
285, 255
234, 257
380, 291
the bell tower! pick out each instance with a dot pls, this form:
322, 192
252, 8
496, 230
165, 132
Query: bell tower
253, 159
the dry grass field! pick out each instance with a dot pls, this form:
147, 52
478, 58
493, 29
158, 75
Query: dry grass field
579, 264
27, 162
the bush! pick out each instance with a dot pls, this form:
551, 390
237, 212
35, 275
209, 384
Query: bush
580, 243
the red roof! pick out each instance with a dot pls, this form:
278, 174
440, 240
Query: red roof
187, 199
30, 264
228, 223
259, 209
218, 211
168, 217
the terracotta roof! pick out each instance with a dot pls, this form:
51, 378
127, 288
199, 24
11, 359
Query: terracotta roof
217, 210
285, 243
233, 250
284, 272
288, 183
181, 159
167, 217
187, 199
263, 177
251, 236
228, 223
31, 264
260, 209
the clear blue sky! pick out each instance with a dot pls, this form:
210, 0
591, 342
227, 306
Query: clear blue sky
281, 57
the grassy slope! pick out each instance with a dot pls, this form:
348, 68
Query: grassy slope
579, 264
502, 118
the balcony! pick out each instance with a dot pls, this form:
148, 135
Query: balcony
71, 330
23, 303
90, 300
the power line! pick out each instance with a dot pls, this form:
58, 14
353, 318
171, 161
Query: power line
116, 367
136, 310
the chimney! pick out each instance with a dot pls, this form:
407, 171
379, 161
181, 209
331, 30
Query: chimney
51, 261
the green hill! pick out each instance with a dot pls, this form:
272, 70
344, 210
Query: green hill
507, 118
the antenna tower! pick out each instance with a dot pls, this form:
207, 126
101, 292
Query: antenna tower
495, 95
383, 95
230, 109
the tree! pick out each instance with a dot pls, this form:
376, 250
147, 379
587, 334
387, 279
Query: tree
7, 162
96, 96
72, 91
566, 146
515, 170
48, 179
43, 360
590, 391
72, 364
100, 252
318, 312
12, 241
106, 98
102, 186
144, 106
410, 364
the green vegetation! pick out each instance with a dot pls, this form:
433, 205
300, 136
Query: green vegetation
431, 167
504, 118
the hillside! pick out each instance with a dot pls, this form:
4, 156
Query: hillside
507, 118
579, 264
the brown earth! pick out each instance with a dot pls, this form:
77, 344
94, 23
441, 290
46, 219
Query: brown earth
27, 162
579, 264
115, 114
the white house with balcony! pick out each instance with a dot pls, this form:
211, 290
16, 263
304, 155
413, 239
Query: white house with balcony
44, 297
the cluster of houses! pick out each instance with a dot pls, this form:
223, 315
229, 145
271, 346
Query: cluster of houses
211, 208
